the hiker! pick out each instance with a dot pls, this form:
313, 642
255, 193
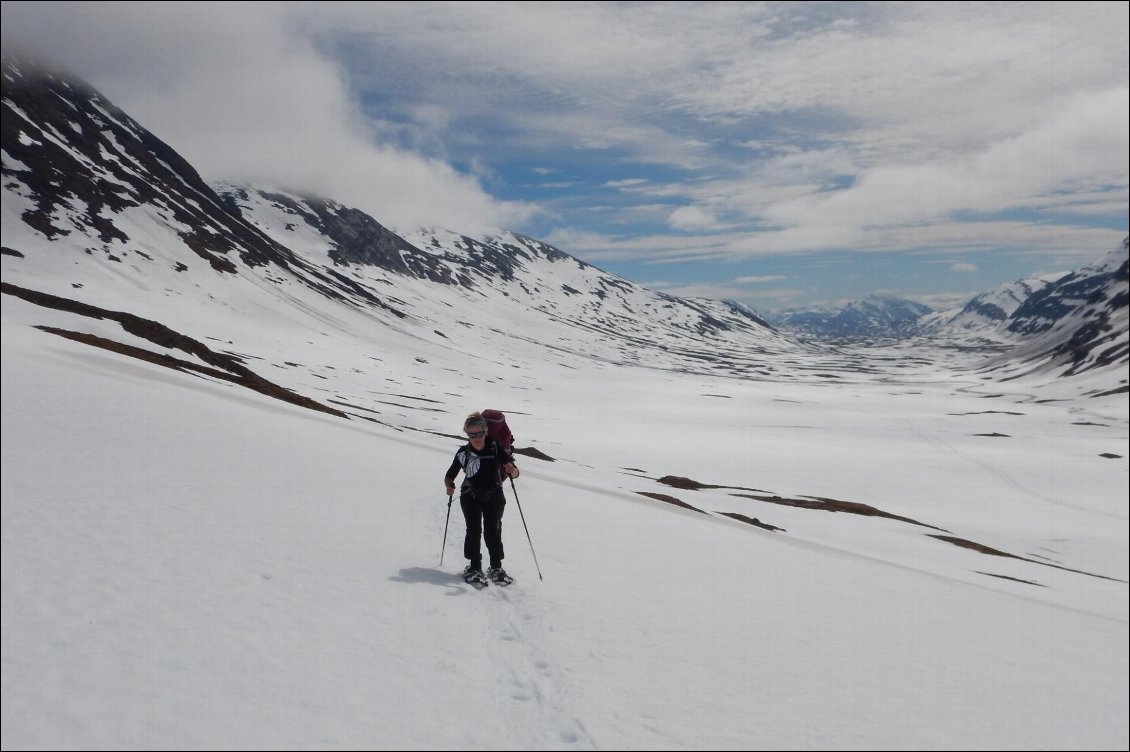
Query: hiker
484, 464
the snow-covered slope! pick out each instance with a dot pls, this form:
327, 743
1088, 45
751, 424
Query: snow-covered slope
505, 282
226, 416
1078, 323
986, 313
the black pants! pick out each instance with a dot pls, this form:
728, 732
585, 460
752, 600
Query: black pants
483, 511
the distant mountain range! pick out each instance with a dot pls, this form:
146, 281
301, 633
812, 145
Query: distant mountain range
99, 211
1076, 323
877, 317
1076, 320
986, 312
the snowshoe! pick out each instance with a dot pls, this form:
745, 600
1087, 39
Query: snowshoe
474, 577
498, 576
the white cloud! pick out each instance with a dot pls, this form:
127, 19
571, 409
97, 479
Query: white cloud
243, 94
1083, 145
758, 280
626, 183
691, 218
963, 266
779, 128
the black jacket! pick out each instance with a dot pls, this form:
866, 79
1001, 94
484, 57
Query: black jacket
482, 470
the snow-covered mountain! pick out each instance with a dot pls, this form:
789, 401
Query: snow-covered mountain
1075, 324
597, 314
94, 202
985, 313
1060, 324
226, 415
877, 317
99, 210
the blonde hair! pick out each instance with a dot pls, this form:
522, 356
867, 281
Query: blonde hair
474, 419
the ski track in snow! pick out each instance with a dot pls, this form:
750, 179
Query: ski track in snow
530, 689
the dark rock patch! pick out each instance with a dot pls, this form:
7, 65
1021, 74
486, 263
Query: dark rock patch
1014, 579
253, 382
669, 500
226, 367
537, 454
835, 505
961, 542
753, 521
687, 484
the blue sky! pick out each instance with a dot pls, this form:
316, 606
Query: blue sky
780, 154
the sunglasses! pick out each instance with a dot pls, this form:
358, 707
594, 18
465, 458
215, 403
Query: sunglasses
476, 434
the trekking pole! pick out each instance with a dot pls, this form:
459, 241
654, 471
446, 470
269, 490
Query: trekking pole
515, 490
449, 498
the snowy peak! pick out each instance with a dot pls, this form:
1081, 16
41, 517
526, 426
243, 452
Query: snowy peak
1077, 323
1093, 289
324, 231
879, 316
985, 314
81, 165
330, 232
1002, 301
94, 201
527, 276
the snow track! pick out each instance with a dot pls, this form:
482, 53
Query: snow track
531, 690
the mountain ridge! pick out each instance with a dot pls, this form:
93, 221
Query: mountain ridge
81, 174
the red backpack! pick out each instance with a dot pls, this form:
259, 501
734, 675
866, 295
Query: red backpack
498, 430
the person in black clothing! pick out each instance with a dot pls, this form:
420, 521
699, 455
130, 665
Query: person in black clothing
484, 464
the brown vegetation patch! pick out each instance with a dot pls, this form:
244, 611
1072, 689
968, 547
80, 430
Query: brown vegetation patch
994, 552
977, 547
254, 382
353, 407
753, 521
835, 505
687, 484
1014, 579
226, 367
373, 420
537, 454
669, 500
847, 507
